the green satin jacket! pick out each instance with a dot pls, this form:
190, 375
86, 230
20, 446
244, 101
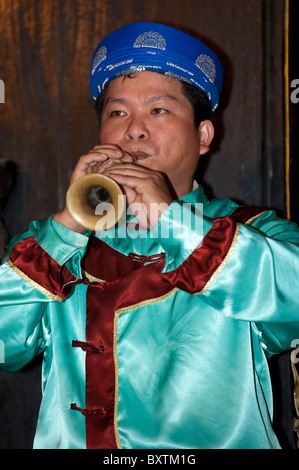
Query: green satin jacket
154, 339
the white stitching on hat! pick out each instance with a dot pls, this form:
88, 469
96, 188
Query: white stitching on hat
207, 66
99, 57
118, 64
150, 39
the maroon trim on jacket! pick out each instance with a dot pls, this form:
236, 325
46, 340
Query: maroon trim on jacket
28, 256
195, 272
128, 282
244, 214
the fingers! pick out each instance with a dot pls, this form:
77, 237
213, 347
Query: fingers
129, 171
113, 152
134, 175
99, 158
148, 185
146, 190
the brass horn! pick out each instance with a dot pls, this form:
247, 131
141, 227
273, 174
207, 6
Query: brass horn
85, 195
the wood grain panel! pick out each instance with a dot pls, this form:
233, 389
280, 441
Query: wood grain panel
29, 51
48, 120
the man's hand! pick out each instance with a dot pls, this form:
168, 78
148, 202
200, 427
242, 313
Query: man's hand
146, 190
94, 161
98, 159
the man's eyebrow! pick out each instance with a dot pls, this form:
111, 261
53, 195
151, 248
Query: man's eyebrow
114, 100
151, 99
161, 98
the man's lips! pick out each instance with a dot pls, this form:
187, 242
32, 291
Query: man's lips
139, 154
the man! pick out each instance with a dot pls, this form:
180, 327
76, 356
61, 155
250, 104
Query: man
155, 333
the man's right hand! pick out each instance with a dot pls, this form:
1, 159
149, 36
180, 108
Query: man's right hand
95, 161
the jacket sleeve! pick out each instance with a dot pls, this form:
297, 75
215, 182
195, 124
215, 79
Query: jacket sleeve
248, 270
41, 266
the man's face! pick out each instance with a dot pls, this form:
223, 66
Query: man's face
149, 115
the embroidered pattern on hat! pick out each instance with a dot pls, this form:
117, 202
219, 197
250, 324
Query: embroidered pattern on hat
150, 39
99, 57
207, 66
178, 77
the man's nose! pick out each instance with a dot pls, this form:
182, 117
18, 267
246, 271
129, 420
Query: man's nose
137, 129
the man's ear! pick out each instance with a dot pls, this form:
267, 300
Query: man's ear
206, 134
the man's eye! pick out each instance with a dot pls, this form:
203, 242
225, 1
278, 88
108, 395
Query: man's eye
116, 113
159, 111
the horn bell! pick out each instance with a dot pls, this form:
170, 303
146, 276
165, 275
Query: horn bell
95, 201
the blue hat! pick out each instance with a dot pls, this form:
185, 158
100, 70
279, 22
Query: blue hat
158, 48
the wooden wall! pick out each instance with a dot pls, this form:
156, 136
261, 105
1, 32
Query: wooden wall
48, 120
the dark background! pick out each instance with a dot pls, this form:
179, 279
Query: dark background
48, 121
